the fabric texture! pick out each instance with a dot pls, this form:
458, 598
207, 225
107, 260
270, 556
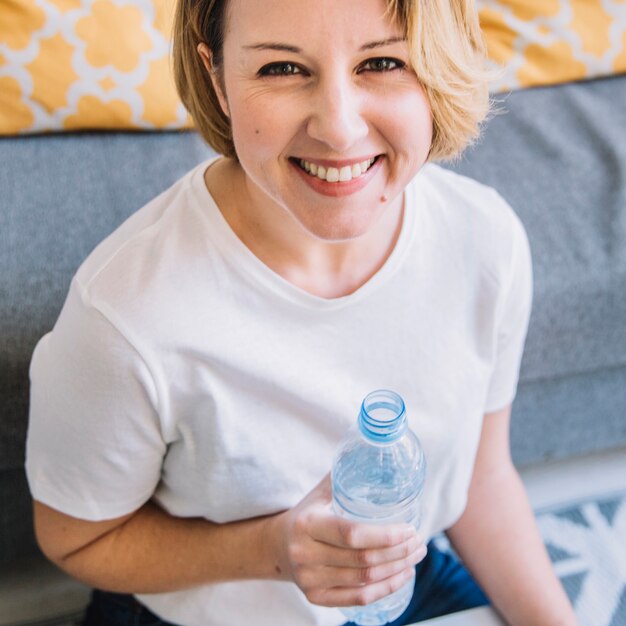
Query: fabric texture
546, 42
83, 64
183, 367
558, 418
117, 609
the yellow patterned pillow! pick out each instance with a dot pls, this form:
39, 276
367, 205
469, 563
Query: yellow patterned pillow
78, 64
543, 42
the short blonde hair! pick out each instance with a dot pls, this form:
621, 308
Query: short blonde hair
447, 53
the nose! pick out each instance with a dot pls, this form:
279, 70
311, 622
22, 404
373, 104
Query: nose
337, 116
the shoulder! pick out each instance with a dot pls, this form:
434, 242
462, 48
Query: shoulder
459, 195
470, 230
474, 217
145, 249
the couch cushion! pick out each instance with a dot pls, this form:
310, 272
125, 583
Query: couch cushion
558, 155
61, 195
570, 416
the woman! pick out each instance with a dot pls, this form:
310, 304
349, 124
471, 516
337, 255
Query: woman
213, 351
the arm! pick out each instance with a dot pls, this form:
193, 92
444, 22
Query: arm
498, 540
335, 562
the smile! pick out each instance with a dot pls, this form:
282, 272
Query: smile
334, 174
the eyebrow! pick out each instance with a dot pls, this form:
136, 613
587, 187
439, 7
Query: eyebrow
383, 42
273, 46
283, 47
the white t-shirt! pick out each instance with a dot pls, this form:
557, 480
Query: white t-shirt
185, 370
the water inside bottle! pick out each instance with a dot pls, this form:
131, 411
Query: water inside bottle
377, 478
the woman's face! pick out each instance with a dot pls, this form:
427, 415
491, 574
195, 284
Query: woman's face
328, 120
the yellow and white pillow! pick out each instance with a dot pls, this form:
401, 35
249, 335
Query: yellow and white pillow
544, 42
79, 64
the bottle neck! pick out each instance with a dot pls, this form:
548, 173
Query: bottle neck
382, 418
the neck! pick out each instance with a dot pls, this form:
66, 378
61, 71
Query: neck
328, 269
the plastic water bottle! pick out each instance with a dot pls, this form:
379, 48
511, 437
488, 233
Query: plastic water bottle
377, 478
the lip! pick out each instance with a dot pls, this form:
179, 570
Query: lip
339, 189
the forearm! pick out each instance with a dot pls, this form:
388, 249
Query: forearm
155, 552
499, 541
334, 561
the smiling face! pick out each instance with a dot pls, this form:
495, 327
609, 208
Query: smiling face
328, 120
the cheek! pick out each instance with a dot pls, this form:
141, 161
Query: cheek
414, 136
255, 131
409, 134
419, 121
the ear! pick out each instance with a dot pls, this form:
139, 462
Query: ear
207, 59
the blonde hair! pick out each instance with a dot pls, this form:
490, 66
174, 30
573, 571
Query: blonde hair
446, 49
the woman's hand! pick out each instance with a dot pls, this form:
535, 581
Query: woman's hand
338, 562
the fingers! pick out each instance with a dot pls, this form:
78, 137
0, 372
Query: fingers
329, 555
359, 575
359, 596
333, 576
327, 528
340, 562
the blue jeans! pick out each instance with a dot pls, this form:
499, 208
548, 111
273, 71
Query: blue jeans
442, 586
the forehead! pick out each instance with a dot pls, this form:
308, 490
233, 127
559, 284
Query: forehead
319, 22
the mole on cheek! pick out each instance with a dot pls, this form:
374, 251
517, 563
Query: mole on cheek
257, 131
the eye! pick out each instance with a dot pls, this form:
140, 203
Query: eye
280, 69
382, 64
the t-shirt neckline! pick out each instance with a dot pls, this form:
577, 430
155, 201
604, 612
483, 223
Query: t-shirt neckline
236, 252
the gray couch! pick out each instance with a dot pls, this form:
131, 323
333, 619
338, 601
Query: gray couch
558, 155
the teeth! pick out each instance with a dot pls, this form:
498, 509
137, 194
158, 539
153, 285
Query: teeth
332, 175
336, 175
345, 174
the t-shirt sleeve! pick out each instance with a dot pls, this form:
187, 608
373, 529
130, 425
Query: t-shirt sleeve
94, 445
513, 317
